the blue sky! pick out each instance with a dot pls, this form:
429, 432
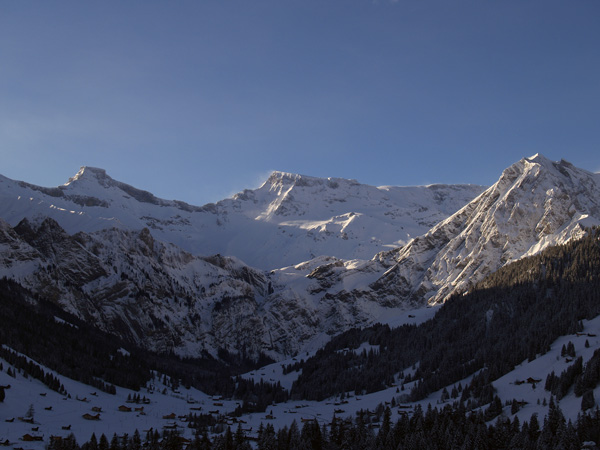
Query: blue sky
197, 100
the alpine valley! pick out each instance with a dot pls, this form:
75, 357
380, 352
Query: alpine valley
367, 281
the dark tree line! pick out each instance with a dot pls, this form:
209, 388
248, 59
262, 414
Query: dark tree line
445, 429
29, 368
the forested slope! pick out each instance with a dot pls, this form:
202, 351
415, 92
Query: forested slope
511, 316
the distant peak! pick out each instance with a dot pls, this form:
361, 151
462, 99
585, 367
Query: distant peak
538, 157
287, 178
87, 173
277, 175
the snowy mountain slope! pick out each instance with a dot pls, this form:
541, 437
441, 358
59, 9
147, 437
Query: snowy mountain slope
289, 219
536, 203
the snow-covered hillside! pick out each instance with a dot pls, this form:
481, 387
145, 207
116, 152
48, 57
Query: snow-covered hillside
289, 219
31, 408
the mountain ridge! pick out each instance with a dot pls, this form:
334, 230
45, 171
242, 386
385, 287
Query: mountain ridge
289, 219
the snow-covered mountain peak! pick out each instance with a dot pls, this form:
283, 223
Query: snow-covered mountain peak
538, 163
89, 174
282, 181
94, 182
536, 203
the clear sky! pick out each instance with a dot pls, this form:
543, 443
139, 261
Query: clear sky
197, 100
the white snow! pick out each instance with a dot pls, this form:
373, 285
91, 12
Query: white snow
291, 218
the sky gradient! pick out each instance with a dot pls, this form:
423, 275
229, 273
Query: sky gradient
197, 100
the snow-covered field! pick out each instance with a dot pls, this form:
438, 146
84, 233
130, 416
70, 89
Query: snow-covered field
52, 412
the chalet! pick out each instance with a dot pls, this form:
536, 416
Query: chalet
48, 408
170, 416
30, 438
87, 416
124, 408
96, 409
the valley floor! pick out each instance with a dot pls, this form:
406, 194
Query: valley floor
30, 408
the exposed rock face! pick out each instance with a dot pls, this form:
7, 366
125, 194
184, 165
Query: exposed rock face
166, 299
147, 292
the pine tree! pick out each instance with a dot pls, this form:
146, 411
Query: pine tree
587, 400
